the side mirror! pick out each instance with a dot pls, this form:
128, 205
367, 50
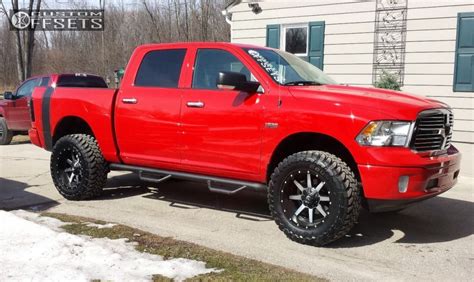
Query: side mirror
236, 81
8, 95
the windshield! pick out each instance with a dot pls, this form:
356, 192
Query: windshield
288, 69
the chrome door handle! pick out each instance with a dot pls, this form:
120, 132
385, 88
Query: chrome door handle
195, 104
129, 101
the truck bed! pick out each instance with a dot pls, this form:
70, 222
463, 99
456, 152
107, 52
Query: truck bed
93, 105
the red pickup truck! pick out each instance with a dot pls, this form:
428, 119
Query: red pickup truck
248, 117
14, 113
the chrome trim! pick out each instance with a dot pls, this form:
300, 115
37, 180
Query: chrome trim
271, 125
410, 134
129, 100
441, 131
197, 104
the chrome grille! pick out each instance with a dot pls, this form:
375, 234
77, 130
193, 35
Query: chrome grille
433, 130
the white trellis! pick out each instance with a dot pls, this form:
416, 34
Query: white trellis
389, 41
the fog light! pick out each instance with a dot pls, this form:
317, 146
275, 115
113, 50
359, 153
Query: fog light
403, 183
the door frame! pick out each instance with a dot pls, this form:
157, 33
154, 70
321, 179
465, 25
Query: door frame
256, 71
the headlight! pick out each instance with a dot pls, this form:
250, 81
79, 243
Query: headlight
386, 133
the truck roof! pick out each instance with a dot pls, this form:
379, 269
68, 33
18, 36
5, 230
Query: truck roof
199, 44
60, 74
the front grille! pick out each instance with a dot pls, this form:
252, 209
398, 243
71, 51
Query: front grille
433, 130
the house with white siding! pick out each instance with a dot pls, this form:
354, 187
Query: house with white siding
427, 44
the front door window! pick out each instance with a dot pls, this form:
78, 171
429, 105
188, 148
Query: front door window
209, 62
27, 88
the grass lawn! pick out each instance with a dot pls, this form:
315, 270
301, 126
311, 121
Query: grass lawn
235, 268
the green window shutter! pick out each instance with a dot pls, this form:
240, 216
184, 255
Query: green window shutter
316, 44
273, 36
464, 63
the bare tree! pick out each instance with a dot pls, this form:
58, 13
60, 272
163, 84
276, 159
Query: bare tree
152, 18
126, 26
25, 40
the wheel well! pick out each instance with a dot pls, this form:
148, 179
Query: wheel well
71, 125
311, 141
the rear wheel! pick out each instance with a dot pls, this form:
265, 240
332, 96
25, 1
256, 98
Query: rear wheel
6, 135
314, 197
78, 169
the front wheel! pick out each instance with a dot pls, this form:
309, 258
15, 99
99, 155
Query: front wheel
6, 135
314, 197
78, 169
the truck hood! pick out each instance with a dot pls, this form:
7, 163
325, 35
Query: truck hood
393, 104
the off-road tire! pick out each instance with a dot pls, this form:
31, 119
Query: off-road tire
6, 135
94, 168
345, 197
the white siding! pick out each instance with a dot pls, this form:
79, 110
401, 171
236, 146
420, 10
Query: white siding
344, 20
348, 53
430, 70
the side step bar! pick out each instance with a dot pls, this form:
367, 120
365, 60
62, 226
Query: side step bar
166, 174
152, 179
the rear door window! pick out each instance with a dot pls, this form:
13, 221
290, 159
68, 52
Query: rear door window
161, 68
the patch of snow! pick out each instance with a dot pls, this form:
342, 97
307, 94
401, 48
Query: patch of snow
34, 248
100, 226
50, 222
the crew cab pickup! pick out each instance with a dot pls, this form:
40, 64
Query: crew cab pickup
247, 117
14, 114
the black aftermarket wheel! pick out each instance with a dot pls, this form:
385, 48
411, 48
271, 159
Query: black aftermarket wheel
78, 168
5, 134
314, 197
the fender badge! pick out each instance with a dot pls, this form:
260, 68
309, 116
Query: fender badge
271, 125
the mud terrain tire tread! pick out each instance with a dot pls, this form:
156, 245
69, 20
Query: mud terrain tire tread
342, 174
95, 167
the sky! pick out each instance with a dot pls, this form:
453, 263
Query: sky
68, 4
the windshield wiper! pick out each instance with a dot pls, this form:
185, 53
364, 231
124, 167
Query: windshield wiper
302, 82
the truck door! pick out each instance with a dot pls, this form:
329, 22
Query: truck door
147, 109
222, 128
19, 115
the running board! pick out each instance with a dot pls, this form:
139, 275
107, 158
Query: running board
166, 174
223, 190
152, 179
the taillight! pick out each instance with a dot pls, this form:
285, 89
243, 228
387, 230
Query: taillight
32, 109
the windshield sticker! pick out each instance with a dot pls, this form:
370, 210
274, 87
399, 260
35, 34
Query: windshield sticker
265, 64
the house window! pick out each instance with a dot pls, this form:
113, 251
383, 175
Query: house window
295, 39
464, 62
304, 40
